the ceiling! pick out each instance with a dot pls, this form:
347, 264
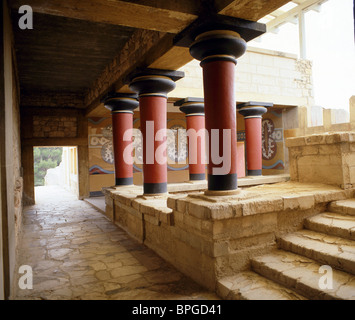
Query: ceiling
79, 50
64, 55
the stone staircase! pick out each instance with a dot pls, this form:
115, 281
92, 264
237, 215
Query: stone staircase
293, 272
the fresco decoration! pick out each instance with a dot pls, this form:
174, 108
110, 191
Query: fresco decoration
269, 146
273, 141
241, 135
107, 153
98, 170
177, 144
101, 160
278, 165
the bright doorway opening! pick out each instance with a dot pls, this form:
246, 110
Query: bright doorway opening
56, 166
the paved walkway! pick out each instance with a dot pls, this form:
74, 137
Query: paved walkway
76, 253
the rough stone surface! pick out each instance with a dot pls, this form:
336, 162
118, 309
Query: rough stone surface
251, 286
303, 275
343, 206
76, 253
324, 158
321, 247
54, 126
333, 224
319, 263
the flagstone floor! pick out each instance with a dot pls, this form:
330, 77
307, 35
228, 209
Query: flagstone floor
76, 253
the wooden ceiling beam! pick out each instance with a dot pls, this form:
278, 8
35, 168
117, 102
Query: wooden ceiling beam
156, 16
248, 9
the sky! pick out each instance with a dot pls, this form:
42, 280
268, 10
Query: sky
329, 45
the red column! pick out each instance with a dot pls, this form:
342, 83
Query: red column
152, 86
252, 112
122, 106
195, 123
218, 50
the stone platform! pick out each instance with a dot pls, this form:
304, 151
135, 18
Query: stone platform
212, 237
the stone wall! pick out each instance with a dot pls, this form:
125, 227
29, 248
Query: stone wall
326, 158
208, 237
54, 126
11, 179
261, 75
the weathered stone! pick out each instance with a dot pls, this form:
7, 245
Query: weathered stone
333, 224
330, 250
303, 275
251, 286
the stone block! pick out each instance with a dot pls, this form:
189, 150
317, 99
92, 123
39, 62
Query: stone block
295, 142
181, 205
221, 211
171, 203
328, 196
198, 209
295, 202
166, 218
151, 219
242, 227
262, 205
310, 150
220, 248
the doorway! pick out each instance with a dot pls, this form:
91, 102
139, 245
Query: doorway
55, 167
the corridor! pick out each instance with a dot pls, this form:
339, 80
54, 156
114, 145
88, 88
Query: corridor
76, 253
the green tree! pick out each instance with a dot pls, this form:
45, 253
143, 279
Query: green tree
44, 159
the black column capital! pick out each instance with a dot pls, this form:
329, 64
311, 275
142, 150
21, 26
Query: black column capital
253, 109
191, 106
120, 102
218, 45
154, 82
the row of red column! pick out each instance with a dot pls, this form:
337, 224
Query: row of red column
215, 114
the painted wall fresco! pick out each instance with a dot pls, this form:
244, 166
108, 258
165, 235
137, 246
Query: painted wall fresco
272, 140
101, 162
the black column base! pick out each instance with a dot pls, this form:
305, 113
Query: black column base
197, 176
154, 188
124, 181
223, 182
254, 172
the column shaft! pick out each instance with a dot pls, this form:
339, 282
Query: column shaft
122, 106
153, 111
122, 123
219, 94
218, 50
197, 155
252, 112
152, 86
253, 146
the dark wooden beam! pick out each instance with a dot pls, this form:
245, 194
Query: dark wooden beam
157, 50
248, 9
143, 48
152, 15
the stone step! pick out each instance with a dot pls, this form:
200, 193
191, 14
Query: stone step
250, 286
333, 224
303, 275
343, 206
330, 250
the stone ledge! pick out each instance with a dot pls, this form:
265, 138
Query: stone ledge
321, 139
275, 198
